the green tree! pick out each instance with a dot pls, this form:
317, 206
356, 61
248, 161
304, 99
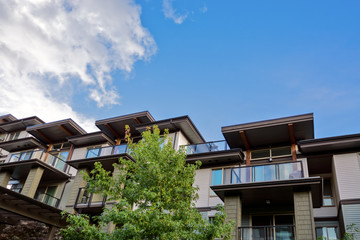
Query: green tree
154, 194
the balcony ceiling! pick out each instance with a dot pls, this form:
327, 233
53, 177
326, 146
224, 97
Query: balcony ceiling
106, 161
15, 207
91, 139
56, 132
183, 124
269, 132
21, 124
115, 127
21, 144
234, 156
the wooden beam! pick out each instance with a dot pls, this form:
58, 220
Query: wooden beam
112, 130
47, 152
43, 136
292, 140
70, 152
65, 130
118, 140
248, 157
244, 139
137, 120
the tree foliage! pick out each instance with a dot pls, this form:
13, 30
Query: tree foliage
154, 194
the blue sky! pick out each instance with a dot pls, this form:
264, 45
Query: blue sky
225, 63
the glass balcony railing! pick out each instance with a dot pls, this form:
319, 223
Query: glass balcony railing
106, 151
47, 199
263, 173
52, 160
207, 147
280, 232
86, 199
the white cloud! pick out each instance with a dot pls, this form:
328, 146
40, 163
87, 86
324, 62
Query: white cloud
48, 46
171, 13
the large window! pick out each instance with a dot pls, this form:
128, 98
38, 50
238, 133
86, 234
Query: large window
328, 233
271, 153
13, 136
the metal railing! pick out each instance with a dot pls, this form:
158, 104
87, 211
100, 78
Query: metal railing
263, 173
16, 189
51, 160
281, 232
106, 151
207, 147
86, 199
47, 199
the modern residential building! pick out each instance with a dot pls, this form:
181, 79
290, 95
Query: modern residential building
274, 179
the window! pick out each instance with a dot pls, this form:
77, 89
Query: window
59, 146
328, 199
2, 137
328, 233
13, 136
271, 153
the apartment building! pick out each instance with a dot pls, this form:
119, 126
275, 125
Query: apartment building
274, 179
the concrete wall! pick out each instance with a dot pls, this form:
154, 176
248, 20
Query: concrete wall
202, 180
181, 140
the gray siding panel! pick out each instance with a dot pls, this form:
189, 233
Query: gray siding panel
351, 214
347, 175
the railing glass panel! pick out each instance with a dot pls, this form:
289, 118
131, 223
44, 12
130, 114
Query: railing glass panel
262, 173
47, 199
207, 147
105, 151
267, 233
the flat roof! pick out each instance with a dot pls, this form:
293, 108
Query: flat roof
269, 132
56, 132
7, 118
183, 124
329, 144
115, 127
21, 124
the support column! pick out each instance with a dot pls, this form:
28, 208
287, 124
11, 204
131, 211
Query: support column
79, 182
111, 226
4, 178
304, 216
232, 208
32, 182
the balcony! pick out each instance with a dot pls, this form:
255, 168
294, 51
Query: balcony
47, 199
106, 151
263, 173
207, 147
89, 202
213, 153
282, 232
51, 160
266, 185
106, 155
